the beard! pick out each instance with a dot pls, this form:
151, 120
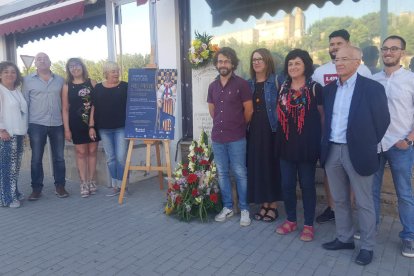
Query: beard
391, 63
224, 72
333, 55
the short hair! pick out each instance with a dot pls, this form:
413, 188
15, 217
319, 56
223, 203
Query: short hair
109, 66
370, 52
403, 42
305, 57
5, 64
267, 59
69, 77
340, 33
228, 53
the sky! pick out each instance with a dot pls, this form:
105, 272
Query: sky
92, 44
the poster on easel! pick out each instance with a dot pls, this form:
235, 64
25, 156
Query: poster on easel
151, 103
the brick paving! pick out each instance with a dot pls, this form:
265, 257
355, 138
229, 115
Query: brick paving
96, 236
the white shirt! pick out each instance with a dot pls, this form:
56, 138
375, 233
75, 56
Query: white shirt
13, 111
340, 112
399, 88
326, 73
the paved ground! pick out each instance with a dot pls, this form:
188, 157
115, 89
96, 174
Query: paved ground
96, 236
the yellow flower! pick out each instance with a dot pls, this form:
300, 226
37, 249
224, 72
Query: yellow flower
168, 209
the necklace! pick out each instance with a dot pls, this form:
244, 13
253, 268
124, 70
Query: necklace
16, 99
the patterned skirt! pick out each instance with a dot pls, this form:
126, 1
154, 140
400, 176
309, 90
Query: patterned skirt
11, 153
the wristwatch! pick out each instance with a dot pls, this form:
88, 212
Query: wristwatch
408, 141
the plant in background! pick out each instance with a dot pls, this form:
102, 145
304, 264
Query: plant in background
194, 191
202, 50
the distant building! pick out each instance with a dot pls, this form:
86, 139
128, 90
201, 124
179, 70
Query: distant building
289, 30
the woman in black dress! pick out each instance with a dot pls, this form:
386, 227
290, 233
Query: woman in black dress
76, 109
263, 170
300, 114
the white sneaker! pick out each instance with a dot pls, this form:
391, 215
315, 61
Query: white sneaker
245, 218
15, 204
224, 214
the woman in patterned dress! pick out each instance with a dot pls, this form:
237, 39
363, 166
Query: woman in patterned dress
13, 128
76, 109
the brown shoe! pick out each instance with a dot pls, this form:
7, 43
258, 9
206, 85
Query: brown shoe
61, 192
34, 196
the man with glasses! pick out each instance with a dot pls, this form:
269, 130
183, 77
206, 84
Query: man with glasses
356, 118
231, 107
43, 93
326, 74
397, 145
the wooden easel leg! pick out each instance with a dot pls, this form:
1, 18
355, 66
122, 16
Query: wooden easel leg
126, 170
160, 175
168, 160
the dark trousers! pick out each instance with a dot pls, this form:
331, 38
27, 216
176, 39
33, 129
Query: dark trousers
306, 173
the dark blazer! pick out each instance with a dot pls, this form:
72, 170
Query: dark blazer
367, 123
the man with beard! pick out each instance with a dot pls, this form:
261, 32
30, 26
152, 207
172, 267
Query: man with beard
397, 145
326, 74
231, 107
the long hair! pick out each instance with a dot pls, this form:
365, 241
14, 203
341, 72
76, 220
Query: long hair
305, 57
69, 77
267, 59
5, 64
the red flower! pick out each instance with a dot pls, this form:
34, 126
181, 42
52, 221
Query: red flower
204, 162
198, 149
178, 200
192, 178
176, 187
185, 165
185, 172
193, 158
194, 192
214, 198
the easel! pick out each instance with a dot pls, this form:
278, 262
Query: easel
147, 167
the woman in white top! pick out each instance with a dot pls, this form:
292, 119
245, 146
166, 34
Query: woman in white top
13, 128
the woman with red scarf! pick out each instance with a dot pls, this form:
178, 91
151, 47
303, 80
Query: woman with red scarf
300, 115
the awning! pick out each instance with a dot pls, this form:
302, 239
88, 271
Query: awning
230, 10
38, 16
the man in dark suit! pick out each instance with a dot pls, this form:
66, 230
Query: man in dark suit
356, 118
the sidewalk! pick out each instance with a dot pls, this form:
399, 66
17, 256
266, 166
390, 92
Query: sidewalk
96, 236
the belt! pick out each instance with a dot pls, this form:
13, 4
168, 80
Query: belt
338, 144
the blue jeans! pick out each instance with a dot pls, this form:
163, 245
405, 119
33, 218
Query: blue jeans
306, 170
38, 135
401, 163
115, 147
232, 155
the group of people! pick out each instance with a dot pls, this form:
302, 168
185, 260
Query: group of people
353, 122
46, 106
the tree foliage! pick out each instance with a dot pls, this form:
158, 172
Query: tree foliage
95, 68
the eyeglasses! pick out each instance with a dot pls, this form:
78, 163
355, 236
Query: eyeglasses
226, 61
338, 60
257, 60
393, 49
74, 66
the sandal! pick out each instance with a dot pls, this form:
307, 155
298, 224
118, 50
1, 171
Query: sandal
307, 233
258, 215
286, 227
269, 218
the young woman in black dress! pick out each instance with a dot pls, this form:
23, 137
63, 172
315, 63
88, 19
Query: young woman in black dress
76, 109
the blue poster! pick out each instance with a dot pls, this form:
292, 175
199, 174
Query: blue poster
151, 104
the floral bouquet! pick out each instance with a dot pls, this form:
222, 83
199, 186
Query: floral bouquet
194, 191
201, 51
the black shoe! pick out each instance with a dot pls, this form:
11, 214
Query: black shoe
364, 257
34, 196
326, 216
337, 245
